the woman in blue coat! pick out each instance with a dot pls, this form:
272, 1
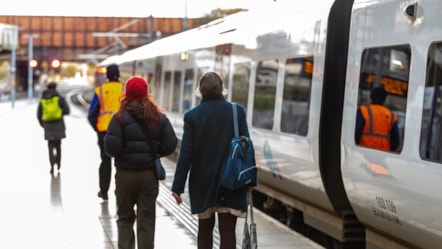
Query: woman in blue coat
208, 130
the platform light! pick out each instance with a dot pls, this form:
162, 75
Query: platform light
55, 63
34, 63
184, 56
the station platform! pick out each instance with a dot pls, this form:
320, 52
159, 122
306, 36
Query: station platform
62, 210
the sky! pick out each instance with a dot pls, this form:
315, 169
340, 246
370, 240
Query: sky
125, 8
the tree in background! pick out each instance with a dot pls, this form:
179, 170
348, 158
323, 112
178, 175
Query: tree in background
219, 13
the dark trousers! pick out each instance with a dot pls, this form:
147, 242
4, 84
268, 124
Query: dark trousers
54, 147
226, 227
105, 169
140, 188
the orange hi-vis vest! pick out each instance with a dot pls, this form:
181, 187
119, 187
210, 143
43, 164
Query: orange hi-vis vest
109, 94
379, 120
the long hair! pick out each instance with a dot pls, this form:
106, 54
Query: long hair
151, 115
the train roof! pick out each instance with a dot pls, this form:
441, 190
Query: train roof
240, 28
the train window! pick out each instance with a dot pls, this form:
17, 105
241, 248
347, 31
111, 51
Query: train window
431, 124
176, 91
156, 82
149, 77
201, 71
167, 91
383, 88
188, 89
296, 95
265, 91
241, 82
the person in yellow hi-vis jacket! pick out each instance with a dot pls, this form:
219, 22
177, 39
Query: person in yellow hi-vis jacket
105, 102
50, 112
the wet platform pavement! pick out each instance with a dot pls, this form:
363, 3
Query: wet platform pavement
40, 210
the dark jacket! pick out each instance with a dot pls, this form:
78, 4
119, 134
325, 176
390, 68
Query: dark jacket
208, 130
94, 111
126, 142
53, 130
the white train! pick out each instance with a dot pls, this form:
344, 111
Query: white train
301, 70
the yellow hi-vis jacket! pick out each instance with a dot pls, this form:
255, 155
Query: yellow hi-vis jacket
379, 121
109, 94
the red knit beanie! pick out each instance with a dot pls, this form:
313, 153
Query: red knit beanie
136, 88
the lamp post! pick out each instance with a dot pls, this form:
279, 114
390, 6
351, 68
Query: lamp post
13, 66
30, 68
185, 21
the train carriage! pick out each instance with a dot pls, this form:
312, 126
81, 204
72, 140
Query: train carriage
396, 192
301, 72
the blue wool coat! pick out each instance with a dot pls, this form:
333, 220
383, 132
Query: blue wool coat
208, 130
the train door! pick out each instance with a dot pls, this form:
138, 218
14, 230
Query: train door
431, 125
240, 86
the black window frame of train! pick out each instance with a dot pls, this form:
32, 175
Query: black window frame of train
430, 147
296, 95
393, 73
296, 92
265, 94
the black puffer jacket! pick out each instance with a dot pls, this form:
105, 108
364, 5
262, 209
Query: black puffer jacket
126, 142
53, 130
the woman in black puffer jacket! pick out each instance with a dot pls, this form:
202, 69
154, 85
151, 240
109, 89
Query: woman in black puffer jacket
137, 125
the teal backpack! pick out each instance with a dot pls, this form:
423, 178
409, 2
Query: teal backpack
51, 109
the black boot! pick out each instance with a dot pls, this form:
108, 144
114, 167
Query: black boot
103, 195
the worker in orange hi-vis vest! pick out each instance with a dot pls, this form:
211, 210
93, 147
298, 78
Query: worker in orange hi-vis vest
105, 102
376, 125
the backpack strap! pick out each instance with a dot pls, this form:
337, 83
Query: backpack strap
235, 119
235, 127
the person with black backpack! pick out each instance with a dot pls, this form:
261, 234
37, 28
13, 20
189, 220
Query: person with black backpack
51, 110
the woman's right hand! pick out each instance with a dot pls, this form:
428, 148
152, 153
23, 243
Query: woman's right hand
177, 198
